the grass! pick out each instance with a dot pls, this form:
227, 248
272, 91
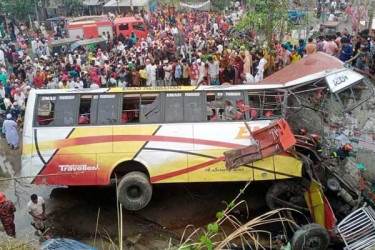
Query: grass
250, 234
7, 243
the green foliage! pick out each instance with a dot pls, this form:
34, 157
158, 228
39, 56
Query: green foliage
265, 17
219, 215
72, 7
18, 9
213, 228
170, 2
206, 242
220, 4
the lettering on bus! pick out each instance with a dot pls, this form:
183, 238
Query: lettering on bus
243, 133
77, 168
339, 79
154, 88
218, 169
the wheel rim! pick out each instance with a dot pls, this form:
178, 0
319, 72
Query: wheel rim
313, 243
134, 192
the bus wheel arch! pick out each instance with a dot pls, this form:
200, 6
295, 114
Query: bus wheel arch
126, 167
134, 189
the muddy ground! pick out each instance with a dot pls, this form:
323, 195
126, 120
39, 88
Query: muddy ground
73, 212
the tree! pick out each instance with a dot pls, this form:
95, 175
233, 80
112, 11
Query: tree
266, 17
220, 4
18, 9
71, 7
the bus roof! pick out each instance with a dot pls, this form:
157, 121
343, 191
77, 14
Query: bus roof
309, 68
285, 78
160, 89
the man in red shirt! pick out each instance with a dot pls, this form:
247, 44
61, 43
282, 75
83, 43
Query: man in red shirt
39, 79
7, 210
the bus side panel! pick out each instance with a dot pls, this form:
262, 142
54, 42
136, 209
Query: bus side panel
209, 164
75, 160
166, 153
27, 169
210, 159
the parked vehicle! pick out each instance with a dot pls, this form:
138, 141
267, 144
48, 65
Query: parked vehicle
127, 25
296, 16
102, 27
61, 45
330, 27
89, 44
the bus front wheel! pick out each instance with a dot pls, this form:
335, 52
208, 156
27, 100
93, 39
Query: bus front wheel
134, 191
310, 237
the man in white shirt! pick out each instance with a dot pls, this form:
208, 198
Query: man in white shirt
37, 209
19, 97
151, 73
2, 91
2, 57
213, 71
167, 73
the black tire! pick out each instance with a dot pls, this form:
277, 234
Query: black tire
290, 191
134, 191
310, 237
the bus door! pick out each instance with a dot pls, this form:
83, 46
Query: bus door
105, 114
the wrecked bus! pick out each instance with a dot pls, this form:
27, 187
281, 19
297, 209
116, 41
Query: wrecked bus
152, 135
145, 136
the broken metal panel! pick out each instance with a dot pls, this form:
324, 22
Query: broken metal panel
273, 139
358, 229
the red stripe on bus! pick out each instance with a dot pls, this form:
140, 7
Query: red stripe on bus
161, 177
117, 138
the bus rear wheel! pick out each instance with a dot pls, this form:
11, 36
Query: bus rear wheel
134, 191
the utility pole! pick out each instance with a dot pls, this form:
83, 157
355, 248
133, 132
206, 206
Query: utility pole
36, 10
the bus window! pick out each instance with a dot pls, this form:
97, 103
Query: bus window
46, 110
174, 107
65, 110
107, 110
224, 106
272, 104
193, 108
255, 105
85, 115
150, 108
265, 104
130, 108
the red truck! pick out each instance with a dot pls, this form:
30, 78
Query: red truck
97, 27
